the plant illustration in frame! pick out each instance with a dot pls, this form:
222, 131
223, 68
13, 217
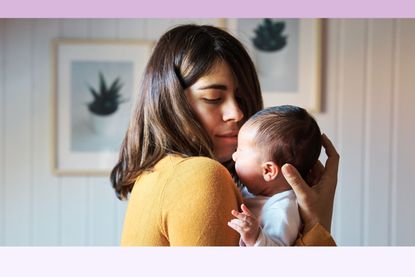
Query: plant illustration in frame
94, 82
269, 36
287, 56
104, 105
106, 99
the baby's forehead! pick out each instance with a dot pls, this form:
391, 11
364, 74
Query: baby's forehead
248, 132
248, 127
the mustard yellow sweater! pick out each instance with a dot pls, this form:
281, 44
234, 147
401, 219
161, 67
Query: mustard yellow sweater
188, 202
182, 202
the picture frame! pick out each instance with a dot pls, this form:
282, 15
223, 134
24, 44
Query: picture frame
95, 83
287, 54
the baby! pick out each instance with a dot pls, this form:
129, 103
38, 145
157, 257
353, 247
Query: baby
269, 139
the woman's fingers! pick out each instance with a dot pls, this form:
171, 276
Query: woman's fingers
316, 202
332, 163
328, 181
293, 177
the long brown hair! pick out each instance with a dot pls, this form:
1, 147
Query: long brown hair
163, 121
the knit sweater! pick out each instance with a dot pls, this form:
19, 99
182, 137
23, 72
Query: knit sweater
188, 202
182, 202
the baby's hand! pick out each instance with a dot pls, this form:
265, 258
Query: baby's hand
246, 225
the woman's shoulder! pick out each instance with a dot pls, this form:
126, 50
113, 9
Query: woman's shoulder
200, 164
198, 180
198, 171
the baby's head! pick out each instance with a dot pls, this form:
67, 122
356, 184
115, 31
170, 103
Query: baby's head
271, 138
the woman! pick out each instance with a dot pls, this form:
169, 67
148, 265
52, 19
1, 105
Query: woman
198, 88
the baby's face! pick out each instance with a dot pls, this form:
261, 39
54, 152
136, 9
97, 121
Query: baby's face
248, 160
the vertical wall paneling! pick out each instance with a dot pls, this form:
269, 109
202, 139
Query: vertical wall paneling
405, 175
2, 129
157, 27
351, 99
74, 215
31, 132
201, 21
74, 28
103, 225
103, 28
327, 117
131, 29
180, 21
46, 190
339, 108
332, 104
17, 169
121, 206
394, 133
74, 189
365, 133
102, 210
377, 144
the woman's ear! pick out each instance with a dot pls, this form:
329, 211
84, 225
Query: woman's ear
270, 171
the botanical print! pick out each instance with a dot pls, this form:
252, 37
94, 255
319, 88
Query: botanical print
274, 47
100, 93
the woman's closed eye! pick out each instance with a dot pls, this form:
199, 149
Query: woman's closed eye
212, 100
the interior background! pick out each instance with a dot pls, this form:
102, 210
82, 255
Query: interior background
368, 98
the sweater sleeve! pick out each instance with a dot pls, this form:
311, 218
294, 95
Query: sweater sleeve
197, 205
317, 236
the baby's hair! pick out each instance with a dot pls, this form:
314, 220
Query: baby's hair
288, 134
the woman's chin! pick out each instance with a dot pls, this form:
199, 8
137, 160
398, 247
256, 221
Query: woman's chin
224, 158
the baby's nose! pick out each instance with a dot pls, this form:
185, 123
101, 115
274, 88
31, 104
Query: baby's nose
234, 156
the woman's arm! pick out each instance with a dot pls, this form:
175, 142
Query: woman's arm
316, 202
199, 205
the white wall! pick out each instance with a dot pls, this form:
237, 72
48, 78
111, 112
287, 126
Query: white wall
367, 98
370, 87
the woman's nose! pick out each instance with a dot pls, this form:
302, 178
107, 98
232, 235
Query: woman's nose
233, 112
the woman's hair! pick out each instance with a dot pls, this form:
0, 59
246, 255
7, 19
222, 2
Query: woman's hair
163, 121
287, 134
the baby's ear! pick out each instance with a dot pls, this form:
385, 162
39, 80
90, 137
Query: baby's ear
270, 171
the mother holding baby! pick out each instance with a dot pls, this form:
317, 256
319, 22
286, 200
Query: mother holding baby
175, 165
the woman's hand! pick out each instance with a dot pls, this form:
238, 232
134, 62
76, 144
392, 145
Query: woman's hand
316, 202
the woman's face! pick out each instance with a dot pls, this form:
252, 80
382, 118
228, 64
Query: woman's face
213, 98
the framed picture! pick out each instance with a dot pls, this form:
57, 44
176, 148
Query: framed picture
95, 84
288, 55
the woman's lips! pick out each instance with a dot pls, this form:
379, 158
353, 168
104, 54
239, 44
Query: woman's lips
229, 136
